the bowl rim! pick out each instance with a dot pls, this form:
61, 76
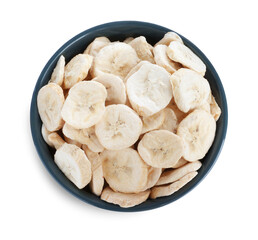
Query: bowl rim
156, 203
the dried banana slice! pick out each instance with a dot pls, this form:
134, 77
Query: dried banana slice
198, 132
73, 162
178, 52
120, 127
181, 162
167, 190
124, 200
173, 175
161, 148
45, 133
50, 101
124, 170
55, 140
170, 120
214, 108
95, 46
190, 89
168, 38
149, 89
85, 104
76, 69
115, 88
116, 58
58, 72
153, 122
153, 177
134, 69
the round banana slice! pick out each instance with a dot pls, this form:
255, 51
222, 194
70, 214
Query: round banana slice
85, 104
124, 200
176, 174
120, 127
198, 132
181, 162
168, 38
161, 59
141, 46
214, 108
116, 58
50, 101
170, 120
161, 148
153, 177
77, 69
73, 162
55, 139
167, 190
178, 52
153, 122
124, 170
58, 73
190, 89
84, 136
115, 88
95, 46
45, 133
149, 89
128, 40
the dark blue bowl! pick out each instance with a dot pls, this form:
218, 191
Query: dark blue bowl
119, 31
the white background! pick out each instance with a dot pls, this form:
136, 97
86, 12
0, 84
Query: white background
34, 206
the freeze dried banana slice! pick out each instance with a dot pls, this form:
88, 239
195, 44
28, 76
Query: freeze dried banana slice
190, 89
170, 120
134, 69
45, 133
50, 101
97, 181
167, 190
168, 38
85, 104
141, 46
77, 69
153, 122
120, 127
161, 148
124, 200
124, 170
198, 132
115, 88
214, 108
84, 136
95, 46
161, 59
55, 139
173, 175
58, 72
116, 58
73, 162
178, 52
149, 89
181, 162
153, 177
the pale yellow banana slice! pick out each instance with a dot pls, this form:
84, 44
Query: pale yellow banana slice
181, 162
124, 170
168, 38
124, 200
198, 132
85, 104
50, 101
97, 181
170, 120
128, 40
116, 58
115, 87
58, 72
153, 122
153, 177
214, 108
45, 133
73, 162
70, 141
161, 148
161, 59
167, 190
170, 176
95, 46
178, 52
190, 89
141, 46
134, 70
84, 136
149, 89
120, 127
77, 69
55, 139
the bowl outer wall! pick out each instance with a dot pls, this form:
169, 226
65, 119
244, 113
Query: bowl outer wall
119, 31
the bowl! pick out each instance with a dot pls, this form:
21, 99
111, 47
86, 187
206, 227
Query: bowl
119, 31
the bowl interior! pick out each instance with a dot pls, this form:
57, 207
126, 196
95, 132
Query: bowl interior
119, 31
